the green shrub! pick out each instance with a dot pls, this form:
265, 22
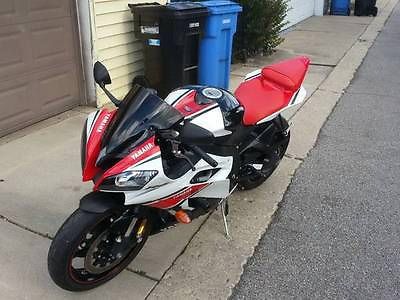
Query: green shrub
259, 26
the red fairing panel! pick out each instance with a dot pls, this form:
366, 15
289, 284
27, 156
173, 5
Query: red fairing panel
139, 154
177, 198
187, 106
94, 142
271, 90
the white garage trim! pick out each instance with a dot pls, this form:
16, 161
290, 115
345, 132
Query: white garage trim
85, 37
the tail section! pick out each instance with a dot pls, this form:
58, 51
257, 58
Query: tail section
267, 92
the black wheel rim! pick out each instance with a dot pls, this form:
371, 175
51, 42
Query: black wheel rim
250, 174
106, 246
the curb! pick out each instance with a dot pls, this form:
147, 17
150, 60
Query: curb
212, 265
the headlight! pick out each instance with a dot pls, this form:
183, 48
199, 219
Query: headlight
134, 179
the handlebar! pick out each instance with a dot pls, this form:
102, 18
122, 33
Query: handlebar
173, 135
208, 159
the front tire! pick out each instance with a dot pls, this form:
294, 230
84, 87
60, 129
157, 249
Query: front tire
92, 248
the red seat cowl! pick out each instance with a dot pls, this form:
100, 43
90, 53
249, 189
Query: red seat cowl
288, 74
271, 91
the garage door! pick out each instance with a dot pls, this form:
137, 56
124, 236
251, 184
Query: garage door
299, 10
39, 61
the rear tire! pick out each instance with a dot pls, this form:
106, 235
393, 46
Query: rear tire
72, 239
250, 178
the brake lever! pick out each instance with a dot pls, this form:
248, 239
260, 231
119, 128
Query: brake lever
178, 153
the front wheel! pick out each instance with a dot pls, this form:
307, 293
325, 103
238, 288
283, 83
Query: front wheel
92, 248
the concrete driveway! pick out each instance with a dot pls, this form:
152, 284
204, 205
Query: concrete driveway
40, 184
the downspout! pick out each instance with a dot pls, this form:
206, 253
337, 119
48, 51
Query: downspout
85, 35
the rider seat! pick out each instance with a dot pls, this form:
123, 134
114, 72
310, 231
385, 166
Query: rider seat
272, 89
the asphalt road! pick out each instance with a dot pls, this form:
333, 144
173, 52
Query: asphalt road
337, 232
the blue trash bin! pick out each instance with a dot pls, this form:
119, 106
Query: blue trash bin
340, 7
215, 49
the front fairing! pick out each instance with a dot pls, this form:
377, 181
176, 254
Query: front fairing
110, 136
140, 114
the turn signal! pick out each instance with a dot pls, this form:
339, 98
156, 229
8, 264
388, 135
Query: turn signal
182, 217
141, 228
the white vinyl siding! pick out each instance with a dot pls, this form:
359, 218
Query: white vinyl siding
115, 44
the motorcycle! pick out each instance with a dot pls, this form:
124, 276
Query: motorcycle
156, 163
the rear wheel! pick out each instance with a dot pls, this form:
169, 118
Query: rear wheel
91, 248
256, 173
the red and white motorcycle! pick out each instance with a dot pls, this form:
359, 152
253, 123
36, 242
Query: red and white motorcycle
155, 163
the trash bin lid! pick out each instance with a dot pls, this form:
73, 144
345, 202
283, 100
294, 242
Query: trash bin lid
184, 5
185, 9
221, 6
146, 7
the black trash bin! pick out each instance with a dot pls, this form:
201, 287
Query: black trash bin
183, 25
147, 18
365, 8
170, 36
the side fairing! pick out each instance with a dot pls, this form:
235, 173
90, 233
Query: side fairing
163, 192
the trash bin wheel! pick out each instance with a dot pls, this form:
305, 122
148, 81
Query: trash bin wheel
374, 11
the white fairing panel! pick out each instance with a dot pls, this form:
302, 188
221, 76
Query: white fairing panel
253, 74
175, 95
161, 186
212, 120
297, 99
218, 189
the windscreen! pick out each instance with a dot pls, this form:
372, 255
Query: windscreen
139, 114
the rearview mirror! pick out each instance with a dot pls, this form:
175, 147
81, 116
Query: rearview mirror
101, 75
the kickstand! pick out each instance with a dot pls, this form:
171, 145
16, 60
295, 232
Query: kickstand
224, 211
